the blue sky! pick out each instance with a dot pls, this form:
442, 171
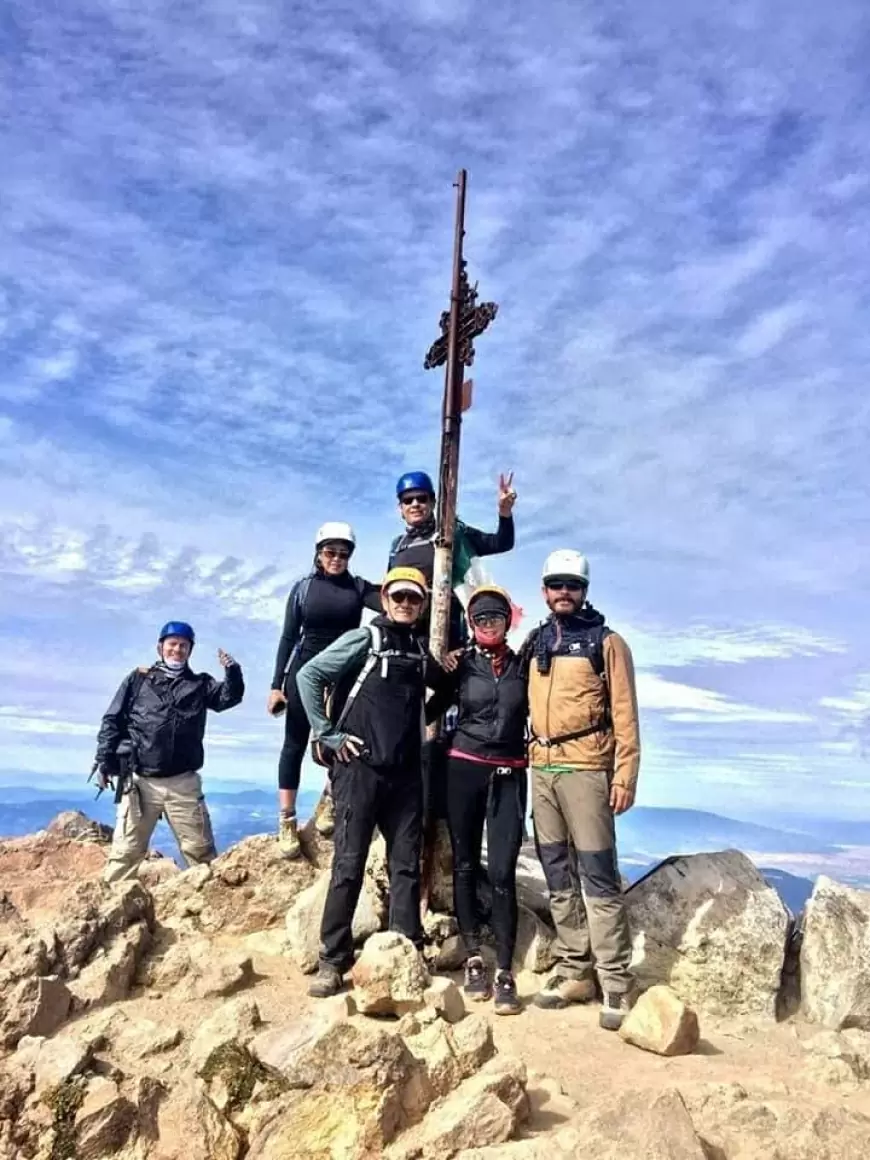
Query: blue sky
225, 235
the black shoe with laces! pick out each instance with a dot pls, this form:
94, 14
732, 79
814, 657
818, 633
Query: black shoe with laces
327, 982
507, 1002
476, 986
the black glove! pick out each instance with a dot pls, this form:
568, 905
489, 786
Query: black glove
106, 772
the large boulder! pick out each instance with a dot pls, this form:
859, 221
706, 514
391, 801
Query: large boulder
249, 887
835, 956
304, 917
710, 927
389, 977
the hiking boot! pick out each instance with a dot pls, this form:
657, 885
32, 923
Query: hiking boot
327, 982
324, 816
476, 985
559, 992
507, 1001
614, 1008
288, 836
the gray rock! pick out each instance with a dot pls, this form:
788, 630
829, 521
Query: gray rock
710, 927
53, 1060
835, 956
235, 1021
104, 1121
305, 914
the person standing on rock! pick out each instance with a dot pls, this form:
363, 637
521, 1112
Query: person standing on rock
486, 788
415, 547
326, 603
161, 712
376, 778
585, 754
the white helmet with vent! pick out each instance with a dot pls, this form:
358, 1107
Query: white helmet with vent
335, 530
566, 564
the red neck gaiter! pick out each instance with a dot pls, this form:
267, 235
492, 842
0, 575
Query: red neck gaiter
494, 645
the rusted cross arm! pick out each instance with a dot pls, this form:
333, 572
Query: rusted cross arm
471, 325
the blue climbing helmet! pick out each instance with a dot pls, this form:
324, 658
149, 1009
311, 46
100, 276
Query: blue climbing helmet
177, 628
414, 481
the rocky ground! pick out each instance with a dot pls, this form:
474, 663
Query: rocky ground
169, 1019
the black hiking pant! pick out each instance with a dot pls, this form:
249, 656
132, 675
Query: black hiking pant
296, 732
478, 796
364, 798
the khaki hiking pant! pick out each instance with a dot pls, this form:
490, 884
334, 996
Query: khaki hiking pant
576, 842
180, 800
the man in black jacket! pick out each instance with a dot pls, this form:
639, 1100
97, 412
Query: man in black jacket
161, 711
376, 778
415, 548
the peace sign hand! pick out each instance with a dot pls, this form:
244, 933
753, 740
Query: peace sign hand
507, 497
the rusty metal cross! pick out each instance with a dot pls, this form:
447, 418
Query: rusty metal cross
473, 321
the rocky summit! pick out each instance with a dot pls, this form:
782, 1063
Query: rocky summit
168, 1019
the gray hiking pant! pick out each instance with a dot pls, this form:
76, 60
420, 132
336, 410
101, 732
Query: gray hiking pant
180, 800
576, 842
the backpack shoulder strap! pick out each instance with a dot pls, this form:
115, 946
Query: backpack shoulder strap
596, 655
527, 649
394, 547
368, 664
300, 595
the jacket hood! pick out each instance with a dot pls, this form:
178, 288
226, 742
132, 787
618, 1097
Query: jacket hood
587, 617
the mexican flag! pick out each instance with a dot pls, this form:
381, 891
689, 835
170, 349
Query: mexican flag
470, 573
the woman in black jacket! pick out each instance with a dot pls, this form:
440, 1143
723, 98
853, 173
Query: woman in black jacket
321, 607
486, 786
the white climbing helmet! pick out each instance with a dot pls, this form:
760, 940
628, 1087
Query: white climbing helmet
566, 564
335, 530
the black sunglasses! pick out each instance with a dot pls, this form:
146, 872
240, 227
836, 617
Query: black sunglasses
406, 597
564, 585
335, 554
416, 497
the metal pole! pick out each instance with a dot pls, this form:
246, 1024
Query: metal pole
451, 420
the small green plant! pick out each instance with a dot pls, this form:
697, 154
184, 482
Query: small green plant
240, 1073
64, 1100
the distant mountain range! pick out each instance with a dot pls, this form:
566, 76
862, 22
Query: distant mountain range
646, 835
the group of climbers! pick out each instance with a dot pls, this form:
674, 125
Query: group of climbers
564, 705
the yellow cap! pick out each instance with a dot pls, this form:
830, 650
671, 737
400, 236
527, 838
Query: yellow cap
404, 580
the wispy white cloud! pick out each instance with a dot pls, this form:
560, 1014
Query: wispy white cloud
226, 236
688, 703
